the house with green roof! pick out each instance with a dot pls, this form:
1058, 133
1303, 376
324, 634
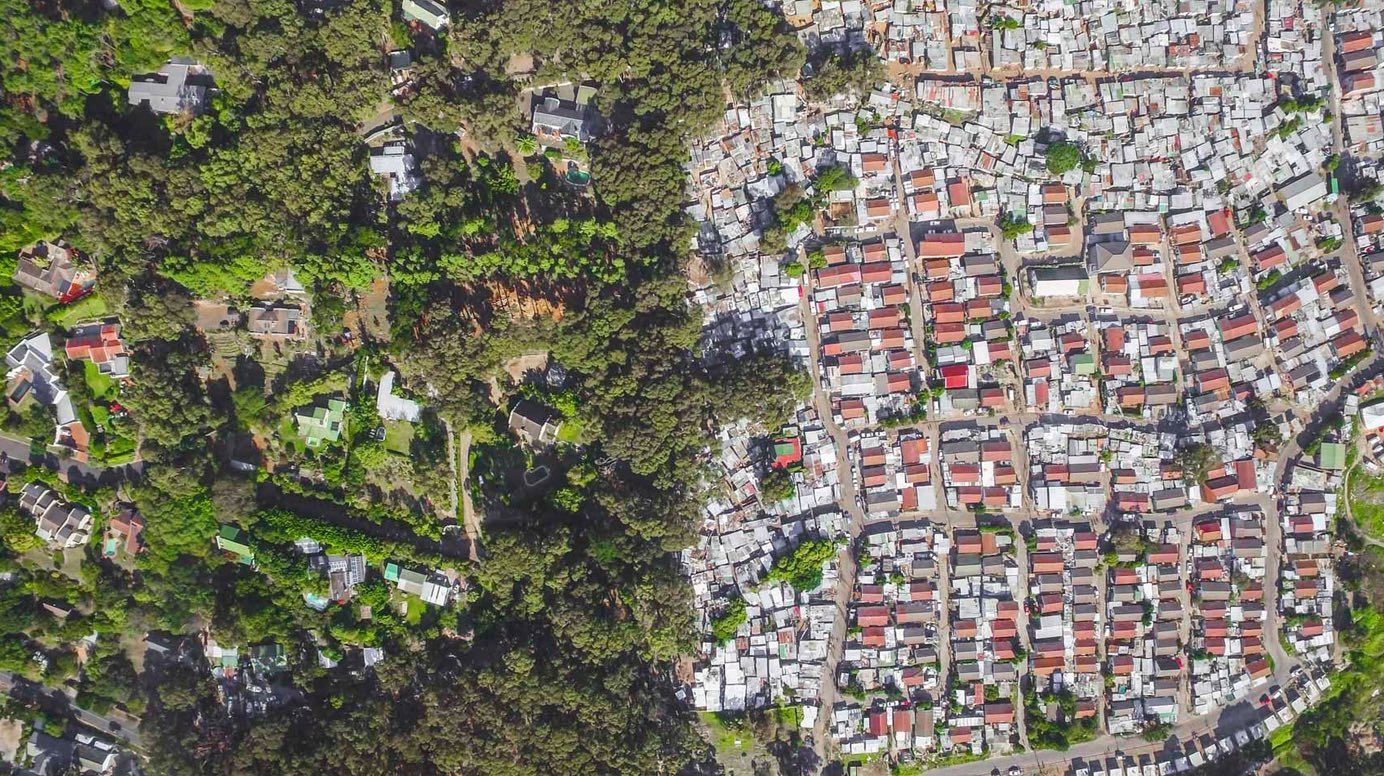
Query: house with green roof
233, 541
430, 586
321, 424
1332, 456
1084, 364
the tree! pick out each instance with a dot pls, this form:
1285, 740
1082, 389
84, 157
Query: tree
1196, 461
803, 567
1014, 224
1268, 435
273, 175
775, 486
725, 625
1062, 157
853, 73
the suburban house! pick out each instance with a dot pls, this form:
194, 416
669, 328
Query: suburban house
344, 572
82, 754
100, 343
233, 541
397, 166
433, 588
181, 86
124, 533
32, 375
557, 118
394, 407
428, 13
58, 523
533, 424
276, 321
320, 424
55, 269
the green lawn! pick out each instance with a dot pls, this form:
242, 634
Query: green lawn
101, 386
83, 309
398, 436
413, 613
570, 432
729, 732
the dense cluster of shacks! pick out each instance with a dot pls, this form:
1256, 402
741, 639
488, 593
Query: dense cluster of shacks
977, 468
781, 649
1180, 284
867, 353
949, 697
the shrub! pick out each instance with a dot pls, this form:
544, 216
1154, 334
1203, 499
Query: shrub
803, 567
725, 624
1062, 157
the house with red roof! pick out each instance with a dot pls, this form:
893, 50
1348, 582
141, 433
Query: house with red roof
956, 376
101, 344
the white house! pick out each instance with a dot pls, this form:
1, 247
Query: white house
393, 407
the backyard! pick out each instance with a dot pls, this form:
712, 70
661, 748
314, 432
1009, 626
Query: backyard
86, 308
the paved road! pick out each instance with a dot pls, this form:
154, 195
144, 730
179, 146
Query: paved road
58, 703
75, 472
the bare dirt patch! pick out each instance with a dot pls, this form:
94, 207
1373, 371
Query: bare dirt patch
519, 366
11, 734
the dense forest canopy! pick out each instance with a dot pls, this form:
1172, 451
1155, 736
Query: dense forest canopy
561, 659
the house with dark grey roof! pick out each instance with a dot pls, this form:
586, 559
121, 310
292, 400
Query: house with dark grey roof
1113, 256
181, 86
556, 120
533, 424
32, 372
58, 523
276, 321
54, 269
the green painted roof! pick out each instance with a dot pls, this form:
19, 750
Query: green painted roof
1332, 456
322, 423
231, 539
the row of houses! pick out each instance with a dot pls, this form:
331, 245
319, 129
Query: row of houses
1226, 569
1146, 632
892, 644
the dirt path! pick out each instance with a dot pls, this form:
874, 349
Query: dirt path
460, 455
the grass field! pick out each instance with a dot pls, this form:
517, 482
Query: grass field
83, 309
101, 386
398, 435
413, 614
1367, 502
